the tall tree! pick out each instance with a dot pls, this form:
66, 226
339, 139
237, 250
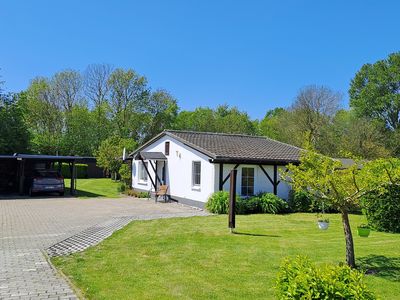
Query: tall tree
96, 85
375, 91
161, 111
43, 116
66, 87
14, 135
313, 108
128, 95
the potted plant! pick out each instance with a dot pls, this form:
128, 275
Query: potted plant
323, 223
363, 230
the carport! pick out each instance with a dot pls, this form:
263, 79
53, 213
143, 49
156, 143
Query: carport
14, 168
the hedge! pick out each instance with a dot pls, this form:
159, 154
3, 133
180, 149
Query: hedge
81, 170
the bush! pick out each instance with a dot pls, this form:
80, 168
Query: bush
301, 279
300, 201
218, 202
122, 187
125, 173
137, 194
382, 209
271, 204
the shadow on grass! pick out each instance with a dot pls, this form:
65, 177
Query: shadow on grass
255, 234
381, 266
80, 193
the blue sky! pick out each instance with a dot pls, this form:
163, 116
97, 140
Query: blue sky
252, 54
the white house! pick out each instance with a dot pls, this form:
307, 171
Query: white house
196, 164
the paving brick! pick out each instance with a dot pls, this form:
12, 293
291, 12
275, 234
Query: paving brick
60, 226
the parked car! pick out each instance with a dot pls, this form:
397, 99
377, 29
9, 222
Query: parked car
45, 181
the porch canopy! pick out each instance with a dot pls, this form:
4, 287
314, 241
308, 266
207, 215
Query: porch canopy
152, 156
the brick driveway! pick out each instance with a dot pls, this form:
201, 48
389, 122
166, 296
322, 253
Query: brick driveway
30, 226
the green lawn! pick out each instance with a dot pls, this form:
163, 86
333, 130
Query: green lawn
197, 258
95, 187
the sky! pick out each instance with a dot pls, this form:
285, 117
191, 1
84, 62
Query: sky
255, 55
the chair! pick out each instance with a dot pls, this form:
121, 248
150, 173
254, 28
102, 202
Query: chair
162, 191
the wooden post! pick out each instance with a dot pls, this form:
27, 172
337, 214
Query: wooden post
72, 171
21, 176
232, 200
221, 176
275, 179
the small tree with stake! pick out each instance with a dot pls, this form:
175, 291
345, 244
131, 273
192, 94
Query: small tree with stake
342, 188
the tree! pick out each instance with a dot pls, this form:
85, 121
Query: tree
375, 91
223, 119
96, 84
66, 87
80, 136
14, 134
342, 188
43, 117
128, 95
161, 112
109, 154
313, 108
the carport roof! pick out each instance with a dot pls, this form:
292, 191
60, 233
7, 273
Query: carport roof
42, 157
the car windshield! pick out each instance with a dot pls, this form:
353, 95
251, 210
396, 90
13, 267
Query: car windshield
46, 173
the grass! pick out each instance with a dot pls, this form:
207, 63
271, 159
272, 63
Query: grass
95, 187
197, 258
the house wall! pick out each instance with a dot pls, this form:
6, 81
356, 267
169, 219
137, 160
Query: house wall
179, 172
261, 182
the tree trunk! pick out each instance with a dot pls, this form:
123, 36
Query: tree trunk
350, 258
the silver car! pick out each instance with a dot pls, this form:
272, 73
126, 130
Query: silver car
46, 181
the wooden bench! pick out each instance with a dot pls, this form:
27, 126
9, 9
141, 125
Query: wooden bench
162, 192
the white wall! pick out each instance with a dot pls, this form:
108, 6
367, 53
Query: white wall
179, 171
261, 182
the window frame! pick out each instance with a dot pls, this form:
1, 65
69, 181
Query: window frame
196, 175
246, 189
166, 148
142, 171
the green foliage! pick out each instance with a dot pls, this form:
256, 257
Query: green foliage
218, 202
14, 135
223, 119
262, 203
375, 91
382, 209
122, 187
299, 278
109, 154
125, 173
300, 201
271, 204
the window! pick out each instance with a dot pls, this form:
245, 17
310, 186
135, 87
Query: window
196, 173
247, 181
166, 148
142, 171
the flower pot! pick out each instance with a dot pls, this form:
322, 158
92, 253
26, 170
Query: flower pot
323, 225
364, 232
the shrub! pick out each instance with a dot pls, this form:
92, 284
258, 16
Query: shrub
137, 194
301, 279
382, 209
300, 201
272, 204
218, 203
122, 187
125, 173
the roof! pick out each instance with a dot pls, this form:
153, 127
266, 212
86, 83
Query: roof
150, 155
234, 148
